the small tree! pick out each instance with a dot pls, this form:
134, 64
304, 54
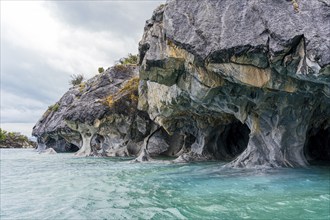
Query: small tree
130, 59
76, 79
101, 69
3, 135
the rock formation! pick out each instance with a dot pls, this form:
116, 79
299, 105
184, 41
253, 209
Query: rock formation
100, 118
84, 122
247, 81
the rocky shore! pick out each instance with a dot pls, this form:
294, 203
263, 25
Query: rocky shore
15, 140
246, 82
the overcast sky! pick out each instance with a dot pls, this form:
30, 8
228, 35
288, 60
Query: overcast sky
44, 42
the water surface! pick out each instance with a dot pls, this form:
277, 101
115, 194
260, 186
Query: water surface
61, 186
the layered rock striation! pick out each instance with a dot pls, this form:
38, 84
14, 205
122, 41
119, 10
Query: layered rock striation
244, 81
247, 82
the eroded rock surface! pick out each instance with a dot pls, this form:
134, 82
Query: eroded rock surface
83, 120
247, 82
242, 81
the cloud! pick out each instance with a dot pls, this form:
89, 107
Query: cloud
24, 128
125, 18
44, 42
26, 73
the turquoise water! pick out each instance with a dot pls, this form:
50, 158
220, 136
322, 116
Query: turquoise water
62, 186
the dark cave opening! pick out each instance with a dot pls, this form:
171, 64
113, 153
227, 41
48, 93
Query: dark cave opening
51, 143
60, 145
229, 141
97, 142
317, 147
72, 148
189, 139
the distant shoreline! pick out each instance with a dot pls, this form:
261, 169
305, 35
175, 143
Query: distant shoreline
15, 140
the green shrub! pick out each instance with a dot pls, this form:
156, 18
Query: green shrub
3, 135
54, 108
125, 63
76, 79
129, 60
101, 69
13, 139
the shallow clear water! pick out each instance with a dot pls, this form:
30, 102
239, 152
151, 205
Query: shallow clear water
62, 186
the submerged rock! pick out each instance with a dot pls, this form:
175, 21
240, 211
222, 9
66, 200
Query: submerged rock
242, 81
48, 151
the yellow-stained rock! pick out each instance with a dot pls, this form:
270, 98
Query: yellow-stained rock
245, 74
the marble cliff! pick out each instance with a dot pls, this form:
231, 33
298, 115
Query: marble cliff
246, 82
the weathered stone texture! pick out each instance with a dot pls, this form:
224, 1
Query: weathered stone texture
85, 123
248, 81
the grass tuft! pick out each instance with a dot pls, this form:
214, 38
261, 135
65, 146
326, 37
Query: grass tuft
54, 108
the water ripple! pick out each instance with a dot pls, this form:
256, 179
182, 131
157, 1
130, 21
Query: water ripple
65, 187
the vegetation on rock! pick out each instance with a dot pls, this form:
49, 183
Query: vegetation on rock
131, 59
82, 86
119, 68
54, 108
126, 99
100, 70
124, 63
14, 140
76, 79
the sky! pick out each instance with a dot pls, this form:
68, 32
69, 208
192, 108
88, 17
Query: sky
44, 42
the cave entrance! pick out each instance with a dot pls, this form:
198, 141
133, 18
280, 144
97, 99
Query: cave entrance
50, 143
229, 141
97, 142
72, 148
317, 147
